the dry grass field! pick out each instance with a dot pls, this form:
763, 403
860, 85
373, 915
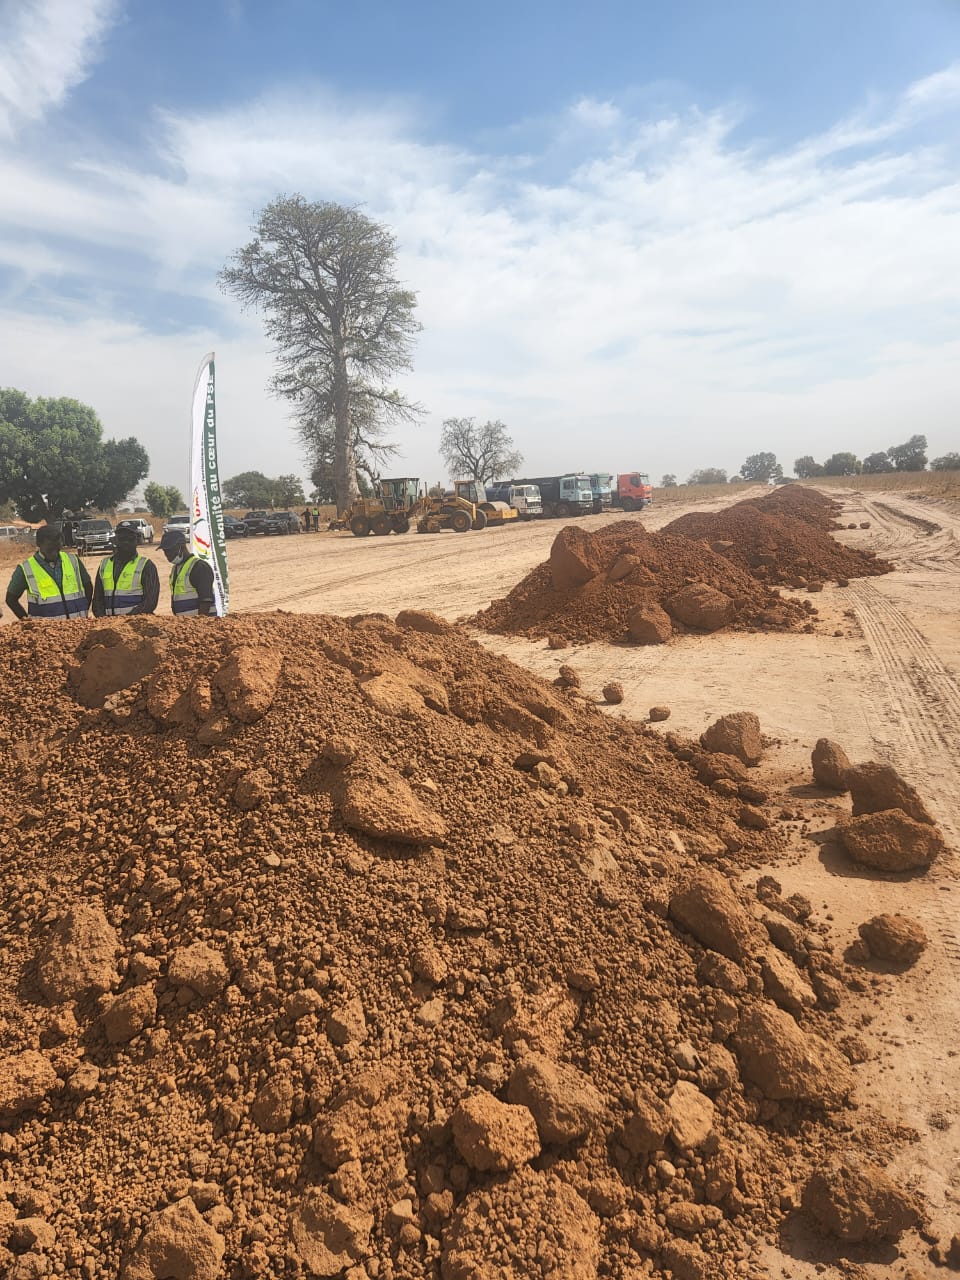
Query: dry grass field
925, 484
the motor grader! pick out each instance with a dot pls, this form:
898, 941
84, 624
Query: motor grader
391, 509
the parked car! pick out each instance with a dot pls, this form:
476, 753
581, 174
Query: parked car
143, 529
234, 528
256, 521
182, 523
9, 533
282, 522
93, 537
288, 518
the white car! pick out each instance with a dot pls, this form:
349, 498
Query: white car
180, 523
143, 529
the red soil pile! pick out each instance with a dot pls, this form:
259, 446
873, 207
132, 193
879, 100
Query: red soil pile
777, 548
347, 948
624, 569
801, 503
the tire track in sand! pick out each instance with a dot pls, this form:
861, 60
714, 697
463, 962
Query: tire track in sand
925, 699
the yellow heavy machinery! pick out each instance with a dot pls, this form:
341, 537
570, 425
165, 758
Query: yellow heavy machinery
392, 509
498, 513
397, 504
449, 511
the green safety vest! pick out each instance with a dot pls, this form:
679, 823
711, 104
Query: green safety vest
125, 593
45, 599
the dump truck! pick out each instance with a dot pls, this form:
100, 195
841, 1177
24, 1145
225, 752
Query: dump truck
524, 498
496, 511
563, 496
601, 485
634, 491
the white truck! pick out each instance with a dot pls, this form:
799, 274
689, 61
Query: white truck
524, 497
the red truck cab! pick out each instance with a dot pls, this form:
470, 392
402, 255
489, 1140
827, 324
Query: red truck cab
634, 491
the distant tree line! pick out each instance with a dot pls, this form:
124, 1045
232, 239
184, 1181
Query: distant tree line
909, 456
761, 468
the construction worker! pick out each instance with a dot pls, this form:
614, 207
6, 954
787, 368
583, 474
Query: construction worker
57, 584
306, 519
191, 579
126, 581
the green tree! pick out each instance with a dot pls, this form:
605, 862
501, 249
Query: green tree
876, 464
911, 456
806, 467
248, 489
947, 462
288, 491
761, 467
842, 464
324, 277
708, 475
669, 481
163, 499
479, 453
53, 457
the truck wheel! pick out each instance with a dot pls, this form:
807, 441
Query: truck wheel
401, 524
563, 510
481, 520
381, 524
359, 526
629, 504
460, 522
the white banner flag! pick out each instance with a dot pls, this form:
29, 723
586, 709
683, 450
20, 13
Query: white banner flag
207, 538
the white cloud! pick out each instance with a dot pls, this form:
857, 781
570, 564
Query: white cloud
48, 48
665, 295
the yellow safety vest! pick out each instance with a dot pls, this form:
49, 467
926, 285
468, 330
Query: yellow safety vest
183, 595
125, 593
45, 599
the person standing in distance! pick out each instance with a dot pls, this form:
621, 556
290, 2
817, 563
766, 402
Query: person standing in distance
127, 582
191, 579
57, 584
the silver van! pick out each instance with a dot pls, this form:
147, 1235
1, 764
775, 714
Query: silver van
10, 533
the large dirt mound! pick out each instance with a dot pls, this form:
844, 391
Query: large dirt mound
777, 548
344, 947
594, 582
796, 500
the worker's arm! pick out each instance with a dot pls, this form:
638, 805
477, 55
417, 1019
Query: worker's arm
201, 579
150, 586
85, 581
99, 607
15, 589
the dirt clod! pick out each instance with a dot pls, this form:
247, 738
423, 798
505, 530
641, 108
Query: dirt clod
830, 765
737, 734
493, 1136
854, 1200
894, 938
874, 787
890, 841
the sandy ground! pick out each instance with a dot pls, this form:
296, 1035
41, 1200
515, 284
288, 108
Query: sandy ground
881, 676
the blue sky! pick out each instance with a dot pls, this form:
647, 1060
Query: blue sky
663, 236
